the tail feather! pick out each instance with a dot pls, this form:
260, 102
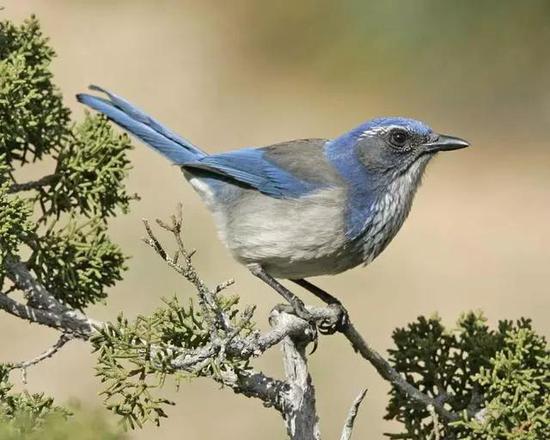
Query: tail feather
174, 147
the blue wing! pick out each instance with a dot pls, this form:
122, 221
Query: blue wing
249, 167
286, 170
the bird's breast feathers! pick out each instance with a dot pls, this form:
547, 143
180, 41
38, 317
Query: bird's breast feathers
390, 209
290, 237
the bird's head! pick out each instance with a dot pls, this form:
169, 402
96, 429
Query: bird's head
393, 145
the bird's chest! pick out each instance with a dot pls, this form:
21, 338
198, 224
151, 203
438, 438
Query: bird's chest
385, 218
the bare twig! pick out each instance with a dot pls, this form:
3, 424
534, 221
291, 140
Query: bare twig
24, 365
350, 420
223, 286
153, 242
207, 297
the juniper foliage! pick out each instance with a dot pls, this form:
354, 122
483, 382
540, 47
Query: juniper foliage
56, 223
498, 380
135, 357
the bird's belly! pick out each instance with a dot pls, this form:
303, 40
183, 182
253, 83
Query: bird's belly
289, 238
292, 251
300, 260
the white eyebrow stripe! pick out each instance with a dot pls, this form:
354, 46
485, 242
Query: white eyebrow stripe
378, 130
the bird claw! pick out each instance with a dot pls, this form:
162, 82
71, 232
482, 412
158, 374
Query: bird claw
337, 322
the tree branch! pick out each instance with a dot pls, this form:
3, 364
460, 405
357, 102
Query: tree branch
257, 384
69, 321
299, 411
207, 297
293, 397
35, 293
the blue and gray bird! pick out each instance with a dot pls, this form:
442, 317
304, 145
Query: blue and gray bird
305, 207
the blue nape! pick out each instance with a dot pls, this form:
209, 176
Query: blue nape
341, 153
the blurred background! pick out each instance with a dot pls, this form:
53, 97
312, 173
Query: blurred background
249, 73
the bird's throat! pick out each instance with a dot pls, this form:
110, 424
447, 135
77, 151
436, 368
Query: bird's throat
390, 209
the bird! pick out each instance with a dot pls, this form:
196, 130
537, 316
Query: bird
302, 208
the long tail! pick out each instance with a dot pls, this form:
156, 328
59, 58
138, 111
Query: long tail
170, 145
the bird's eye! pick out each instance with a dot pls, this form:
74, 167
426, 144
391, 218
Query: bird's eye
399, 138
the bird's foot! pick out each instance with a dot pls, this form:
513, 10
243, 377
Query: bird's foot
337, 322
338, 319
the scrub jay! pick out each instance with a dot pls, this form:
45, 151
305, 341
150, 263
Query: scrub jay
305, 207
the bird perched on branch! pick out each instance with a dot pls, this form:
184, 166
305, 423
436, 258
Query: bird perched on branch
305, 207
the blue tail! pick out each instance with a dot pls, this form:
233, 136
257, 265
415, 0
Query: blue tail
120, 111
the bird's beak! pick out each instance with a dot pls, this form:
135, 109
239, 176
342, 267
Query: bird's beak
446, 143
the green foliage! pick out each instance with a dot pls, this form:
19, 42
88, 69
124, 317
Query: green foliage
135, 358
33, 120
14, 224
497, 380
517, 390
77, 262
89, 171
65, 242
56, 225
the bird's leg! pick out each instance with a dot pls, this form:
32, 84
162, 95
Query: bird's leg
296, 303
327, 326
323, 295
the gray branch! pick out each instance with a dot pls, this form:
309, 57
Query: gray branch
257, 384
299, 412
35, 293
69, 321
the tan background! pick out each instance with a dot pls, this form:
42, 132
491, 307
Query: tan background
231, 74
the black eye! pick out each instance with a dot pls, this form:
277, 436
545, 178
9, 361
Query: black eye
399, 137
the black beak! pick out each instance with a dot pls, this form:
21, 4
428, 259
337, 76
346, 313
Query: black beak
446, 143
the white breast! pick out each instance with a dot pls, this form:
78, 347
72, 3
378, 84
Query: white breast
391, 209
